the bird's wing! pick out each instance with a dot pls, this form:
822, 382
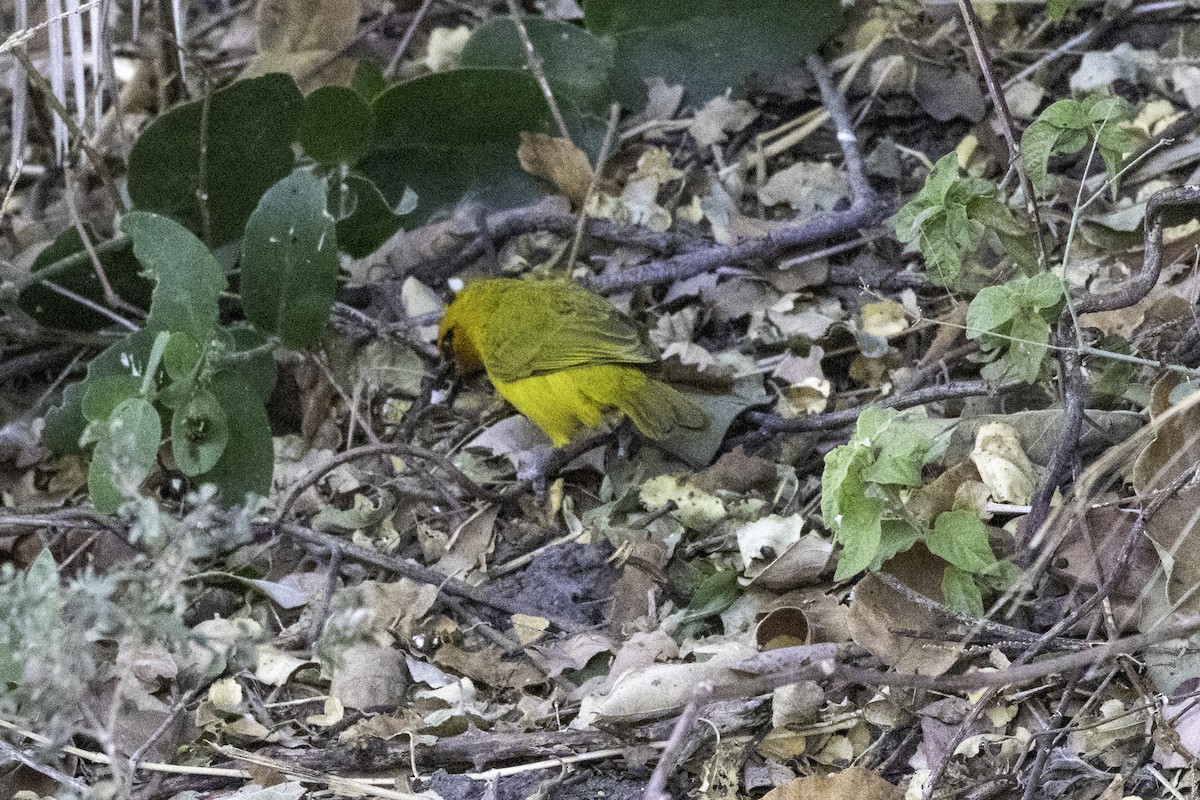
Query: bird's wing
570, 329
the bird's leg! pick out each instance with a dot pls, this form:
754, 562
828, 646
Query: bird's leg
624, 438
532, 466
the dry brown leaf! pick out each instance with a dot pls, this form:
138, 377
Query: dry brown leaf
305, 38
854, 783
879, 614
559, 161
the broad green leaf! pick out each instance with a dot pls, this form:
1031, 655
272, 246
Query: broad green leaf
577, 64
248, 461
247, 131
1042, 291
188, 280
249, 362
859, 529
903, 451
337, 126
897, 536
199, 434
961, 592
990, 310
709, 46
453, 135
366, 221
290, 261
369, 80
125, 454
961, 538
1030, 337
79, 276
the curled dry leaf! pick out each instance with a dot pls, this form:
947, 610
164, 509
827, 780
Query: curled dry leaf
1002, 463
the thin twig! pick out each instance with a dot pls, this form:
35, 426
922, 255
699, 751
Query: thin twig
535, 66
614, 115
656, 788
406, 39
382, 449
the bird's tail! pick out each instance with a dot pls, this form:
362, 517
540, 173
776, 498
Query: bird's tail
658, 410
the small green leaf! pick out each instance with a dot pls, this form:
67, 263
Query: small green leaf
250, 128
199, 434
290, 261
961, 538
337, 126
65, 423
990, 310
104, 394
188, 280
125, 454
1057, 10
860, 531
1042, 291
903, 451
182, 357
715, 593
961, 592
369, 80
1027, 352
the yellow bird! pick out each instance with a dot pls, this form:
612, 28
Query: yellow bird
562, 356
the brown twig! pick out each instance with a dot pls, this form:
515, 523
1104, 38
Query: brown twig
865, 210
414, 571
840, 419
381, 449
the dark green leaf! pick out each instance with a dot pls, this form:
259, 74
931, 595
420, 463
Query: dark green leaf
249, 362
250, 129
290, 261
576, 63
337, 127
368, 220
455, 134
247, 463
79, 275
368, 80
708, 45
